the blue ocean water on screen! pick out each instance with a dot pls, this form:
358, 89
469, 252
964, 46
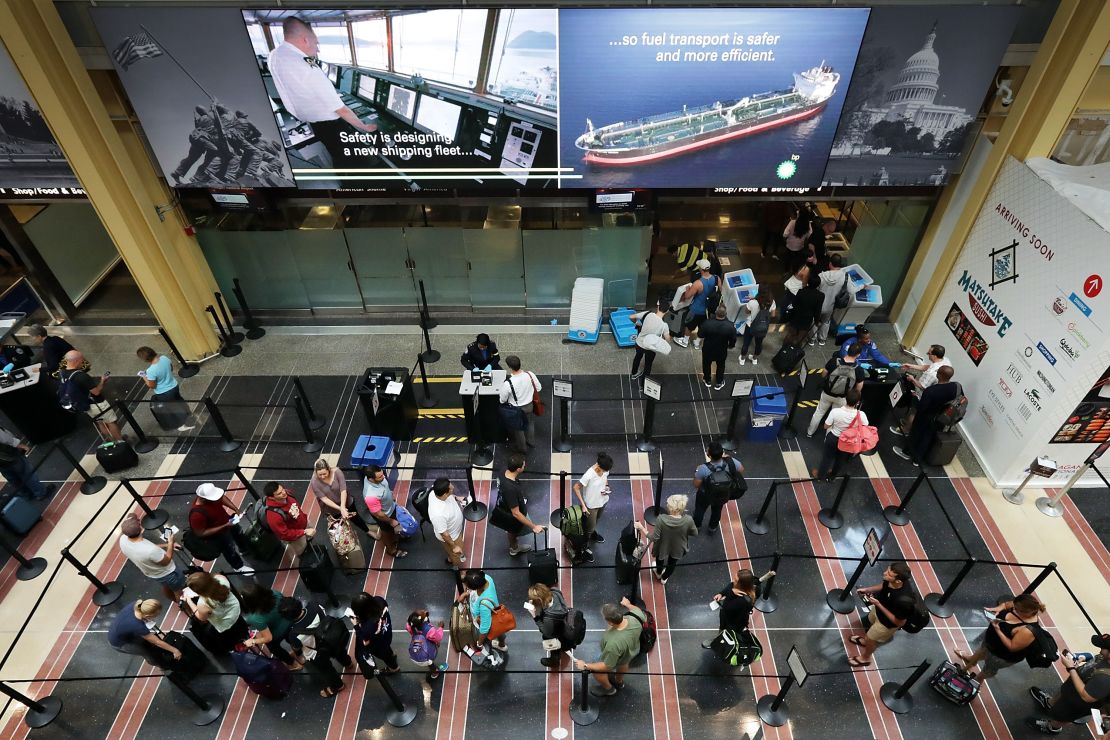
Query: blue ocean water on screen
607, 82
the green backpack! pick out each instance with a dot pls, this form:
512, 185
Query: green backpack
572, 523
737, 647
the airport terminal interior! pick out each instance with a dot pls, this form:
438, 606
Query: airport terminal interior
322, 238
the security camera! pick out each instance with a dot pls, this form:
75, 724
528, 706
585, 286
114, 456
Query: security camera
1005, 92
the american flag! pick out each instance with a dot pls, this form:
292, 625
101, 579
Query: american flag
134, 48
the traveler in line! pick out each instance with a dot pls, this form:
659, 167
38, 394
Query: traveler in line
425, 637
805, 310
330, 635
1086, 687
736, 600
671, 536
80, 392
286, 519
132, 632
510, 496
159, 378
330, 487
718, 336
373, 633
445, 513
153, 560
839, 419
620, 643
260, 611
892, 603
54, 349
841, 375
592, 490
759, 310
833, 281
711, 492
482, 354
651, 325
932, 403
219, 608
17, 469
549, 610
918, 383
519, 389
378, 497
481, 593
701, 293
1006, 638
210, 519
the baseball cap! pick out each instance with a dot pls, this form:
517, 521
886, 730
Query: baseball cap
702, 264
1102, 642
209, 492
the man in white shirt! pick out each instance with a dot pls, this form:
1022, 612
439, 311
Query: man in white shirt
592, 490
832, 281
447, 520
153, 561
519, 390
308, 94
928, 377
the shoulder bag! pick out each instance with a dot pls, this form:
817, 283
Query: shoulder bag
537, 403
858, 437
501, 620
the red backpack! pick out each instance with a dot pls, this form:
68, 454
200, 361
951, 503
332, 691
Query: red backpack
858, 437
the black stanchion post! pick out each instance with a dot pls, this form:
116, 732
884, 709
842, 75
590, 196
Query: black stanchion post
1048, 569
482, 454
315, 421
185, 369
897, 514
728, 439
652, 512
766, 602
208, 709
937, 604
424, 312
93, 483
235, 337
143, 443
557, 515
771, 708
759, 525
152, 518
247, 484
227, 347
582, 712
896, 696
229, 443
475, 511
427, 401
644, 444
28, 569
254, 329
106, 593
831, 516
40, 712
399, 715
842, 600
786, 431
562, 444
311, 444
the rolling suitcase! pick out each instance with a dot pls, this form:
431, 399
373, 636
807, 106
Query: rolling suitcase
787, 358
265, 676
944, 448
316, 569
628, 567
192, 659
543, 565
116, 456
954, 683
20, 515
170, 414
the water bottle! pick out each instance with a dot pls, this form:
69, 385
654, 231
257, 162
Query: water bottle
1082, 657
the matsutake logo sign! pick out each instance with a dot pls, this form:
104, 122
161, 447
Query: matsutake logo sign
983, 307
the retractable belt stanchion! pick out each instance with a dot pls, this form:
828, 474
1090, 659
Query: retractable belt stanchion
93, 483
185, 369
315, 421
481, 455
728, 439
475, 511
235, 337
106, 593
311, 444
937, 604
227, 348
897, 514
399, 715
771, 708
430, 355
427, 402
209, 708
254, 329
759, 524
896, 696
557, 515
28, 569
652, 512
229, 443
652, 390
842, 600
581, 710
766, 602
428, 320
786, 431
143, 443
40, 712
562, 442
831, 517
152, 518
1036, 582
247, 484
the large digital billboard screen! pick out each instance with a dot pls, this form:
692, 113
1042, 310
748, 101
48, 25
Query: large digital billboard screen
687, 97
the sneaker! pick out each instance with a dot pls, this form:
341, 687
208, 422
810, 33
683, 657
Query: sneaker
707, 383
500, 646
708, 644
718, 386
587, 556
755, 360
638, 374
246, 570
809, 435
812, 342
743, 359
682, 341
596, 537
900, 452
823, 342
186, 427
520, 550
599, 691
897, 430
1043, 726
549, 662
698, 343
1040, 696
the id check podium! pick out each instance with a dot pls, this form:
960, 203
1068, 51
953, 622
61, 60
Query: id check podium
478, 395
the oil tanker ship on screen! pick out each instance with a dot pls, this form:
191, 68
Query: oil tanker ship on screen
691, 129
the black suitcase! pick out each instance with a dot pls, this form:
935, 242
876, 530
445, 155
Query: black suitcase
116, 456
192, 659
316, 569
787, 358
170, 414
954, 683
944, 448
20, 515
627, 567
543, 565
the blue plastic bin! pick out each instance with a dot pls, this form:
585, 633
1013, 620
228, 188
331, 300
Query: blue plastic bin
624, 329
379, 451
767, 414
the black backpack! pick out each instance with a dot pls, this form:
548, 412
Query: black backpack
843, 296
574, 628
71, 396
761, 323
953, 412
648, 635
420, 503
1043, 651
918, 619
721, 484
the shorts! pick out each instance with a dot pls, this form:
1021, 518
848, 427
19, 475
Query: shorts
1069, 707
695, 320
878, 632
173, 581
103, 412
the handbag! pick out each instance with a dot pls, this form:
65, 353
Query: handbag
537, 403
502, 518
858, 437
501, 621
342, 536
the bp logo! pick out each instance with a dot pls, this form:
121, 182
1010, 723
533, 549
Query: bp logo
1004, 265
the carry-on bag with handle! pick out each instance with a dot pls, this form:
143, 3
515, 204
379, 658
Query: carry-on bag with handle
461, 628
316, 569
265, 676
954, 683
543, 564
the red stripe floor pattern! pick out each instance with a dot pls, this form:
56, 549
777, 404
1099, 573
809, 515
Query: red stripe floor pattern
30, 545
560, 686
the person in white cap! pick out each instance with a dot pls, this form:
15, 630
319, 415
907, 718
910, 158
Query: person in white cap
700, 293
210, 523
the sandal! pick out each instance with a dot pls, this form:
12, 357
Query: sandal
856, 640
855, 661
399, 554
329, 691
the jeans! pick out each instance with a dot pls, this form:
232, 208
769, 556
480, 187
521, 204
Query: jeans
701, 503
647, 355
826, 404
21, 475
665, 569
227, 547
823, 323
589, 521
323, 663
522, 439
707, 360
831, 457
748, 338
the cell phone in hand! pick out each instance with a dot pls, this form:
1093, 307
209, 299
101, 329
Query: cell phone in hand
107, 373
714, 606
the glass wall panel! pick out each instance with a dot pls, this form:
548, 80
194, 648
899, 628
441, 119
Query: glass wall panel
619, 256
322, 261
440, 258
75, 246
379, 256
549, 266
884, 241
496, 267
264, 262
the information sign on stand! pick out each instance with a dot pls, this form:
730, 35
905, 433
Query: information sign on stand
797, 668
375, 402
873, 547
652, 389
896, 394
562, 388
742, 388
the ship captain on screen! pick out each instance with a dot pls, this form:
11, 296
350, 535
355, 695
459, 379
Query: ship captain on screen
308, 94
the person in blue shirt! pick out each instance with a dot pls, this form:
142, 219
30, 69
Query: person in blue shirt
701, 293
870, 355
159, 378
481, 354
482, 597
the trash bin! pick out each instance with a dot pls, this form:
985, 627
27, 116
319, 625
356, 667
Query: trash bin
767, 414
380, 451
387, 398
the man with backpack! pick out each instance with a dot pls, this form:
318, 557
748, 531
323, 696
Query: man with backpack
447, 520
837, 292
1086, 687
942, 405
210, 525
892, 603
620, 643
841, 375
592, 490
716, 482
80, 393
286, 519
